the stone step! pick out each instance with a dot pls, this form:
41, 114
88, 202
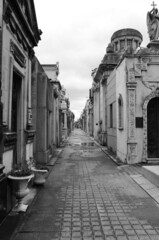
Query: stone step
151, 173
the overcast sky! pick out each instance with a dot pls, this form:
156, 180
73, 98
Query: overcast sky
76, 34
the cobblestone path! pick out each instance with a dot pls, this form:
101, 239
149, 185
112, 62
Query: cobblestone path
87, 197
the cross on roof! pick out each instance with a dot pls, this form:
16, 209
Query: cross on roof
153, 4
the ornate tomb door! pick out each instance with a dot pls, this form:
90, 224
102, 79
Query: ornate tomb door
16, 112
153, 128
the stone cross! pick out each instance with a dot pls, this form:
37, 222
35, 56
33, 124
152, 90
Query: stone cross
153, 5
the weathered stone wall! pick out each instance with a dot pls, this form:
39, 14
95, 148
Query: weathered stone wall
121, 92
111, 99
41, 108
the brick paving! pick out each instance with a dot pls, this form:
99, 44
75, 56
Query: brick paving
87, 197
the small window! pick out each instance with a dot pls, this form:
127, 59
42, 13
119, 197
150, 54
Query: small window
116, 46
111, 115
120, 107
136, 44
129, 42
122, 44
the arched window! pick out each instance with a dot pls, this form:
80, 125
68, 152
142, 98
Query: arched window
120, 108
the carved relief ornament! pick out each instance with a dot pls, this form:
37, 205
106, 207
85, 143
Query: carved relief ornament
96, 87
138, 73
137, 69
10, 21
131, 112
131, 75
131, 88
147, 51
18, 55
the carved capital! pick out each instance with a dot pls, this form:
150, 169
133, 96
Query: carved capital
96, 87
139, 67
131, 75
104, 80
29, 135
10, 139
131, 85
31, 53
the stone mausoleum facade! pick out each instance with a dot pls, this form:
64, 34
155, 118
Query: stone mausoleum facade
31, 102
124, 98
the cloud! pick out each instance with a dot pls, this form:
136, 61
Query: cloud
76, 34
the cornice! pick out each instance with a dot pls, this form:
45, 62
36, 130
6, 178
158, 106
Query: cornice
14, 11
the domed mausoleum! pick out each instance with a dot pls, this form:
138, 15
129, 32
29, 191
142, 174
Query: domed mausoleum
124, 102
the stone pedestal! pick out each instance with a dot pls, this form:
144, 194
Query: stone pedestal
154, 44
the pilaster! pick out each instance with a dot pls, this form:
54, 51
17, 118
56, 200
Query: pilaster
131, 143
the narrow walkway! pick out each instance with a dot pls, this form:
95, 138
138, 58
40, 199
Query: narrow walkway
87, 197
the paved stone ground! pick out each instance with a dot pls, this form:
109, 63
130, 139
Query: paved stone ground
88, 197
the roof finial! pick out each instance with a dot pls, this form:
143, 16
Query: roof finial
153, 5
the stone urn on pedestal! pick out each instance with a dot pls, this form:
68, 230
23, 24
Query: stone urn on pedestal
40, 174
19, 180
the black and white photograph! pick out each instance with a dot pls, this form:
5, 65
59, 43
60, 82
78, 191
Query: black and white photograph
79, 120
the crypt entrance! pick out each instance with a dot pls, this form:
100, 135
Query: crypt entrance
153, 128
16, 113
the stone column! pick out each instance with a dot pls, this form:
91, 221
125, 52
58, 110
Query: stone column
29, 107
65, 123
65, 119
7, 116
131, 143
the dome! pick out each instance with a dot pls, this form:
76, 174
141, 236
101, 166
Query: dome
126, 38
127, 32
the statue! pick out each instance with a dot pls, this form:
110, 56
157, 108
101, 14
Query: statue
153, 23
